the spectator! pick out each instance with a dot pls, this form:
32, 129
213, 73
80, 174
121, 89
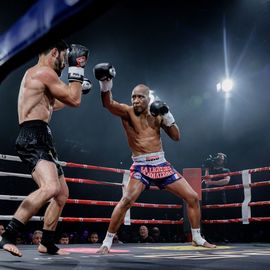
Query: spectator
64, 239
155, 233
2, 229
144, 235
36, 237
216, 165
93, 239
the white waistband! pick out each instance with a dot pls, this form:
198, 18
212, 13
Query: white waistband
149, 159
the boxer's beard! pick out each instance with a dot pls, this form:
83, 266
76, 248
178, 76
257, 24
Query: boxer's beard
58, 66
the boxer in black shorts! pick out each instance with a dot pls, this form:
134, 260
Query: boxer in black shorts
42, 92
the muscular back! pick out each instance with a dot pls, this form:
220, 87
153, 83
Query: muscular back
143, 132
35, 101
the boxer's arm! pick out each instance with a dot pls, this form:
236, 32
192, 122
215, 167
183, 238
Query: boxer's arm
159, 108
104, 73
118, 109
58, 105
77, 56
172, 131
68, 94
222, 182
86, 88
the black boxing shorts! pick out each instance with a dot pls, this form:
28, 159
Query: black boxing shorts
153, 169
35, 142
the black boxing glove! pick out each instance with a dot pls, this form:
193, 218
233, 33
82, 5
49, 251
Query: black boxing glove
104, 72
77, 59
86, 86
159, 107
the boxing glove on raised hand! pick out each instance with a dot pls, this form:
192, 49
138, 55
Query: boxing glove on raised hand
86, 86
159, 107
77, 59
104, 73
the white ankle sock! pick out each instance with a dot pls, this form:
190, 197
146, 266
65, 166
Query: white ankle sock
196, 237
108, 240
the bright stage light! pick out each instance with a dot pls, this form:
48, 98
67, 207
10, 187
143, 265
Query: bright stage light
225, 86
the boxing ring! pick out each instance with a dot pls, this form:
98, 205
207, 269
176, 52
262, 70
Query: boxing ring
18, 46
152, 255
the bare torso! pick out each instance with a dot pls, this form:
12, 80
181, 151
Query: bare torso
143, 133
35, 101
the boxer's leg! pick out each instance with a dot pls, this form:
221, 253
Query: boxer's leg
133, 191
8, 238
51, 217
182, 189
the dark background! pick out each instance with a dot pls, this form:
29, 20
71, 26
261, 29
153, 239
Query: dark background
177, 49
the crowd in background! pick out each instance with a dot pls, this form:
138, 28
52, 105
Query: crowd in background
144, 234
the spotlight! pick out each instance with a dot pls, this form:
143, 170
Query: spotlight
225, 86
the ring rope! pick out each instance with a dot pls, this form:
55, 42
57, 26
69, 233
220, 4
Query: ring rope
69, 164
91, 182
72, 180
116, 170
95, 202
88, 181
236, 173
246, 185
233, 205
20, 175
238, 186
103, 220
235, 220
95, 182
